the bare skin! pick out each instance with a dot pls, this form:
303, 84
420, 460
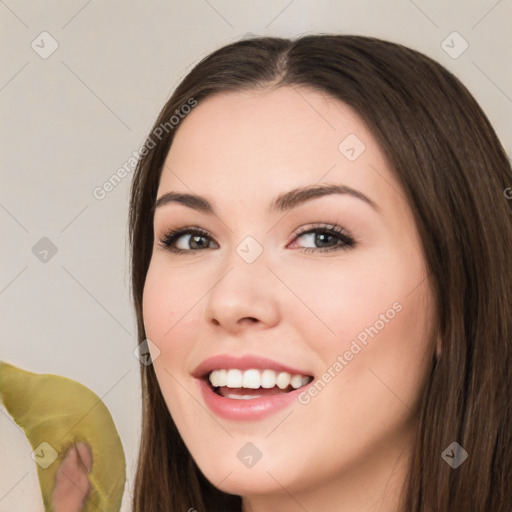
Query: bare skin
72, 484
347, 449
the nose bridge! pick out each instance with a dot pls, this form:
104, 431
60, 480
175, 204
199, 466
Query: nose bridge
246, 267
242, 289
250, 250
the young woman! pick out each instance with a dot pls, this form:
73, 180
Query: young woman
321, 242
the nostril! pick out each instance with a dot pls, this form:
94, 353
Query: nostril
249, 319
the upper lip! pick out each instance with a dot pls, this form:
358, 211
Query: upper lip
246, 362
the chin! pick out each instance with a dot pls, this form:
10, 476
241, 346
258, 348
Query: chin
268, 475
245, 483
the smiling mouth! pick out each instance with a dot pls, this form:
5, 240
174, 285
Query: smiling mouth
254, 383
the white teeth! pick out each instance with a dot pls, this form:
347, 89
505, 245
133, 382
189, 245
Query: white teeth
283, 380
222, 377
234, 378
214, 379
296, 381
251, 379
242, 397
268, 379
254, 379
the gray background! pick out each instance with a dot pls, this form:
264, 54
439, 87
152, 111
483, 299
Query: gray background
70, 120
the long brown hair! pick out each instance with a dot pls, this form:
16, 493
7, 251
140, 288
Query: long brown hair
455, 174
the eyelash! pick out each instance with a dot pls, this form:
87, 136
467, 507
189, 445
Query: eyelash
342, 234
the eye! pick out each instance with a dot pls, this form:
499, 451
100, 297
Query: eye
195, 242
192, 240
327, 237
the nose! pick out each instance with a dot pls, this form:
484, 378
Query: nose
244, 295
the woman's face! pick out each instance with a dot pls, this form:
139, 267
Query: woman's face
354, 311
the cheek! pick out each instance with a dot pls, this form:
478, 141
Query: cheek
341, 299
156, 310
171, 305
165, 303
383, 322
376, 313
167, 296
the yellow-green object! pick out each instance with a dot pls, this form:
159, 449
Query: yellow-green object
55, 412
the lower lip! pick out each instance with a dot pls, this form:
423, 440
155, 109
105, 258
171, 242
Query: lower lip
249, 410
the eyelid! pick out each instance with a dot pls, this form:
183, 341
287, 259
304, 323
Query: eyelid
177, 233
345, 239
333, 229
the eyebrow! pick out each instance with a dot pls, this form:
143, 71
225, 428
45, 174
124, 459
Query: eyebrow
284, 202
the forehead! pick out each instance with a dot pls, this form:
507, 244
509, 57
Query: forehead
262, 142
293, 122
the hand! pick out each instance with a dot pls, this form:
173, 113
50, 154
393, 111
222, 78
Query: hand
72, 484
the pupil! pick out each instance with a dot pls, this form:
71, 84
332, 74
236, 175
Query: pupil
320, 238
194, 240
